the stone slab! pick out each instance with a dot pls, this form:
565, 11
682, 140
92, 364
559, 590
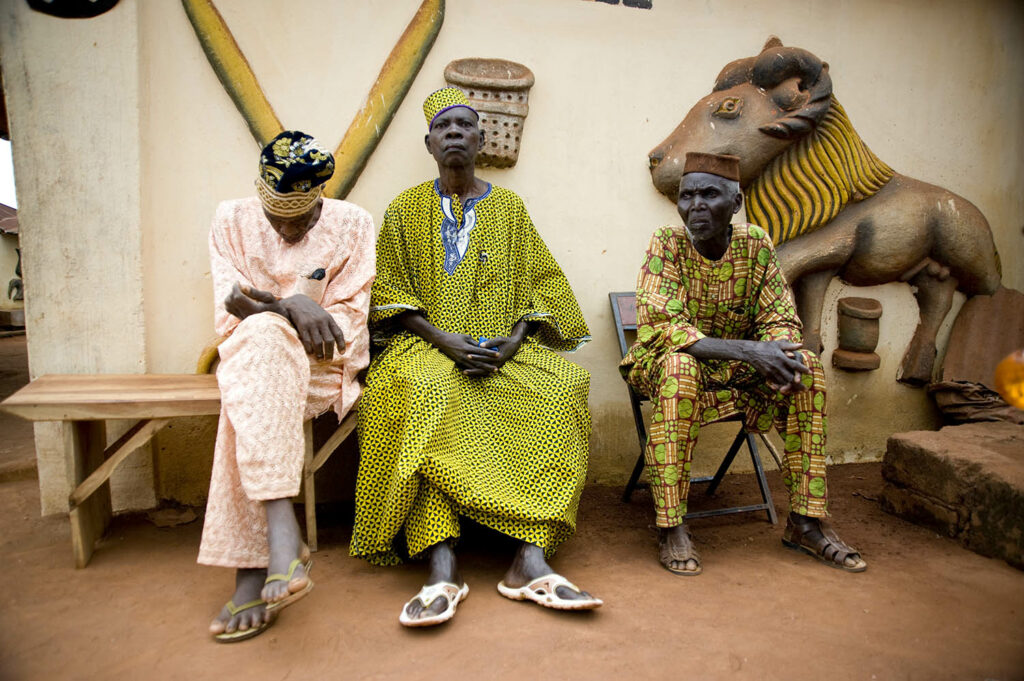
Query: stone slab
986, 330
964, 481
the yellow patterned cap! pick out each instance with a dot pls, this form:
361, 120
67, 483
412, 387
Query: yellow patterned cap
441, 100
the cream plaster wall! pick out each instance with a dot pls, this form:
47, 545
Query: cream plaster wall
72, 97
934, 88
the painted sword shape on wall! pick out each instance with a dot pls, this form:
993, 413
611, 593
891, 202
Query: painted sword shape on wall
372, 119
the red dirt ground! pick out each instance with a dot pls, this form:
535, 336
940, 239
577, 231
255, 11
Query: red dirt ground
926, 609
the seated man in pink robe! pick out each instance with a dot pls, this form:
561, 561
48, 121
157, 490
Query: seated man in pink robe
291, 276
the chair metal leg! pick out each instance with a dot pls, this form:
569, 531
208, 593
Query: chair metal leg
766, 504
641, 434
638, 468
726, 462
771, 450
762, 481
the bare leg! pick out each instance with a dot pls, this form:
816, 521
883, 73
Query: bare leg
285, 546
529, 564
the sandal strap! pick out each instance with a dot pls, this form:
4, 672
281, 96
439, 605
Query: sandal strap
235, 609
684, 552
278, 577
828, 545
839, 549
430, 593
549, 582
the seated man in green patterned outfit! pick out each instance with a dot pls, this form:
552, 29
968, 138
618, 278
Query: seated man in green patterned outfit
718, 335
467, 411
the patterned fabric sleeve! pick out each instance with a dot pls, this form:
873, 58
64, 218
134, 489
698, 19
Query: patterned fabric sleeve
552, 303
393, 291
775, 316
224, 269
662, 319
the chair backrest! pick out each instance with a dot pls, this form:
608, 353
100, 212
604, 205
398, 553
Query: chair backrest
624, 312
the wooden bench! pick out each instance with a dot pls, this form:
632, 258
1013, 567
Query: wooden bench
86, 401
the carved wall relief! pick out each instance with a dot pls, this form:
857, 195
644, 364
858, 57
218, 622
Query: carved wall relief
832, 206
500, 91
858, 334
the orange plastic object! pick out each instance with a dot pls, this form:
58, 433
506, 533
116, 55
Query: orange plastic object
1010, 378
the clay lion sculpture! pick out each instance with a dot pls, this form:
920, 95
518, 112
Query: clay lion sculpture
831, 206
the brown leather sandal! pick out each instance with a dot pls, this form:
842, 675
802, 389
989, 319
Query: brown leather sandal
667, 554
826, 546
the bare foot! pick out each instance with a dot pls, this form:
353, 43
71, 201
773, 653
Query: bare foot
676, 551
285, 546
248, 583
529, 564
443, 568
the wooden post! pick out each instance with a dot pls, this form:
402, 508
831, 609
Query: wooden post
309, 486
90, 519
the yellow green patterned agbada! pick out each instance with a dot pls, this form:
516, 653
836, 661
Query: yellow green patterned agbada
508, 450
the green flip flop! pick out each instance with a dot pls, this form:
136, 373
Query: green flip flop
239, 635
294, 596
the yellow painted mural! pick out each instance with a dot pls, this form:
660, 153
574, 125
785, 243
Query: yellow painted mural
372, 119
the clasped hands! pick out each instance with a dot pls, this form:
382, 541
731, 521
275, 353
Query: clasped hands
478, 360
781, 363
317, 330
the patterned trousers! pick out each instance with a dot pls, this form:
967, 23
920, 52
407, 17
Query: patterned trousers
269, 386
687, 393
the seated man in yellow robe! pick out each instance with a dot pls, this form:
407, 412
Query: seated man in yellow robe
718, 335
467, 412
291, 277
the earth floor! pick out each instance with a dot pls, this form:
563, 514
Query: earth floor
926, 608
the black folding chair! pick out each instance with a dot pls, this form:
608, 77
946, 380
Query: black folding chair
624, 312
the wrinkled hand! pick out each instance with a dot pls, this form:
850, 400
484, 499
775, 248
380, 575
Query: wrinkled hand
780, 363
317, 330
462, 349
244, 301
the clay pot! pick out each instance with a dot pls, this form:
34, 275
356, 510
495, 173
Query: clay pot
858, 334
499, 90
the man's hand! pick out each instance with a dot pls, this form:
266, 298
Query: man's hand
471, 358
317, 330
781, 364
507, 347
244, 301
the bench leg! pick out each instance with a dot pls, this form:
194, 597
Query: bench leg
309, 487
86, 441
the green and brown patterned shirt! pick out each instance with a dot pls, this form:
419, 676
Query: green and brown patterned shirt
681, 296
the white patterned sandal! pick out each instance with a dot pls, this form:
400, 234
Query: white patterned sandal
543, 591
452, 593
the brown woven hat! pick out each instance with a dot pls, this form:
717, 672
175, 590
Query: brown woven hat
723, 165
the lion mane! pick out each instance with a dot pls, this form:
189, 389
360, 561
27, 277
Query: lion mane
806, 186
